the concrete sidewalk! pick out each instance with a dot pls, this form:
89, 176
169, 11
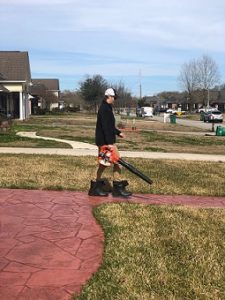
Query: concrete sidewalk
50, 243
85, 149
73, 144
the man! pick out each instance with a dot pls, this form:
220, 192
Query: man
105, 134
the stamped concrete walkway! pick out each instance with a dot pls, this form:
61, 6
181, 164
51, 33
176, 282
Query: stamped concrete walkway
50, 243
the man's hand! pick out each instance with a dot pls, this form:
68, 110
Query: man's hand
122, 135
111, 147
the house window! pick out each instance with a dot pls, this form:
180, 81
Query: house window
16, 105
3, 103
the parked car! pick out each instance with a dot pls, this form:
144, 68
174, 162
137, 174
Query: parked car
205, 109
146, 111
175, 112
213, 116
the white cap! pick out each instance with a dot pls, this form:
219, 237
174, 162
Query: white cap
110, 92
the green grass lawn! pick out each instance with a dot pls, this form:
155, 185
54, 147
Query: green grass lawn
10, 139
159, 252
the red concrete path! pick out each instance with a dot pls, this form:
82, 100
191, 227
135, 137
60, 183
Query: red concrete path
50, 244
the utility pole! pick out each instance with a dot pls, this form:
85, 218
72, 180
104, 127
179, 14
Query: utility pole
208, 99
140, 85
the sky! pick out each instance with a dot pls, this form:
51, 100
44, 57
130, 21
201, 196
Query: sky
136, 42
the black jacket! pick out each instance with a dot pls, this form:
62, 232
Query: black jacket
105, 133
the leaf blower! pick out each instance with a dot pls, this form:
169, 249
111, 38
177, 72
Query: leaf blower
108, 156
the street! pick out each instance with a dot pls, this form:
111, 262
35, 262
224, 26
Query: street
191, 123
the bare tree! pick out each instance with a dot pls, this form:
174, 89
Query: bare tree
208, 76
50, 98
197, 78
71, 98
188, 79
124, 99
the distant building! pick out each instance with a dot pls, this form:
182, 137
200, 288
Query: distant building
20, 95
15, 81
46, 94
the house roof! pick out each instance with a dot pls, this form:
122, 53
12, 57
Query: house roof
50, 84
37, 89
14, 66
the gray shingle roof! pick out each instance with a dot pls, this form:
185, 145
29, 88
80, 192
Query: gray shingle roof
15, 66
37, 89
50, 84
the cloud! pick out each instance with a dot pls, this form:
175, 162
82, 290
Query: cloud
116, 38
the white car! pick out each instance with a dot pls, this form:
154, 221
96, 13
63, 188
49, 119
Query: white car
147, 111
213, 116
206, 109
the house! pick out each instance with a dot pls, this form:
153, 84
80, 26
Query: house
45, 93
15, 81
219, 100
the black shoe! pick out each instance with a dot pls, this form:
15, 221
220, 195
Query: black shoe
107, 186
119, 189
96, 189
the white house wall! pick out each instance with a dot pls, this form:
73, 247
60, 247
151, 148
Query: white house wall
24, 110
55, 93
12, 87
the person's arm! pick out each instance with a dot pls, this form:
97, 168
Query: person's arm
117, 131
122, 135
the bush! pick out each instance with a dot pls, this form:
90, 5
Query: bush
3, 117
73, 109
39, 111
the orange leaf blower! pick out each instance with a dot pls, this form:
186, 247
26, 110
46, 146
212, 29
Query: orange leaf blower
108, 156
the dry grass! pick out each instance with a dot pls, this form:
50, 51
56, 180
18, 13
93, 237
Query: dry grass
154, 136
61, 120
160, 137
156, 125
154, 252
170, 142
84, 134
44, 172
65, 172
